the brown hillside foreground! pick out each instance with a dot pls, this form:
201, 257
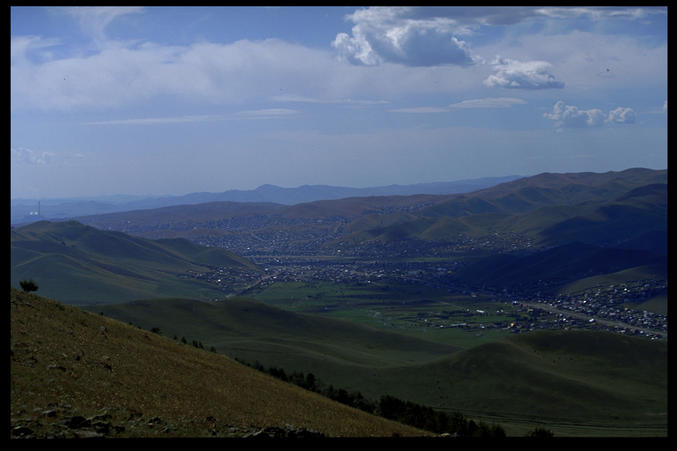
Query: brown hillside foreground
78, 374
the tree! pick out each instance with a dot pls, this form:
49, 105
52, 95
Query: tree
541, 433
28, 286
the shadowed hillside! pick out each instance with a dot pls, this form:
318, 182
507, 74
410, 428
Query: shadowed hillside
78, 374
80, 264
576, 383
239, 327
557, 266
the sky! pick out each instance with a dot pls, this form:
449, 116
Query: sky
174, 100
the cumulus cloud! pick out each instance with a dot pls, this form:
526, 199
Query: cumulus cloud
622, 115
430, 36
513, 74
31, 157
403, 36
569, 116
128, 74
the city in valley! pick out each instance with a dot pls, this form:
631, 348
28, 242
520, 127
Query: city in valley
602, 307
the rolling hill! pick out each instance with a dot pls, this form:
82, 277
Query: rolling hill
76, 263
236, 326
546, 209
75, 374
573, 382
576, 383
549, 209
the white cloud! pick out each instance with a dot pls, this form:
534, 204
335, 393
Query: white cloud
31, 157
402, 36
20, 46
157, 120
568, 116
305, 99
267, 113
489, 102
513, 74
123, 74
596, 13
126, 75
429, 36
622, 115
94, 20
420, 110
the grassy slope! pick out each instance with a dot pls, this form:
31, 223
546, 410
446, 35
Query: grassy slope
237, 326
111, 266
574, 382
78, 363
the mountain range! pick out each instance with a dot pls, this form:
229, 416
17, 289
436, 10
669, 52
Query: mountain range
30, 210
614, 209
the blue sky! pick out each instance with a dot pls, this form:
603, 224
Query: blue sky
172, 100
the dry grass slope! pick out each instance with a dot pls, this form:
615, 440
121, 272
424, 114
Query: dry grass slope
67, 363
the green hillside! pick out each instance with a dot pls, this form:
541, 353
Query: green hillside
75, 374
80, 264
575, 383
246, 328
614, 220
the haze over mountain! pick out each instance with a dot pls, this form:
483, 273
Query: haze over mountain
26, 210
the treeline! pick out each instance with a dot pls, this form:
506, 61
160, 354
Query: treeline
389, 407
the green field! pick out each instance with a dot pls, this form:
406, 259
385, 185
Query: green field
404, 309
574, 383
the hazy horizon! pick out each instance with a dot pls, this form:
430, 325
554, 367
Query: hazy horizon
166, 101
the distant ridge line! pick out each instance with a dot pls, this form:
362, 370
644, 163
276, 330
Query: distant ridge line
73, 207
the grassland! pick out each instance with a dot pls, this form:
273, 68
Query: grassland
575, 383
111, 266
68, 363
384, 338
